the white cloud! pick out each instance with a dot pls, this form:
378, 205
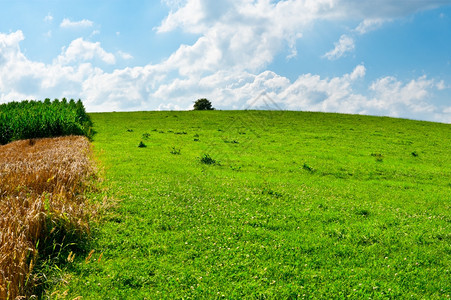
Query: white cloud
441, 85
150, 87
243, 34
10, 43
359, 72
249, 33
48, 18
313, 93
398, 97
81, 50
344, 45
368, 25
124, 55
21, 78
136, 85
67, 23
227, 63
173, 4
188, 17
12, 39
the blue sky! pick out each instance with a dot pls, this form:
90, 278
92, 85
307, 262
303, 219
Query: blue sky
385, 57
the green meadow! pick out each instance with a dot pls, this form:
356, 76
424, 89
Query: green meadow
265, 205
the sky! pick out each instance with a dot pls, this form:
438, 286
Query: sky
374, 57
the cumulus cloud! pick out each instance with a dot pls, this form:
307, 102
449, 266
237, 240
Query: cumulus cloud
9, 44
311, 92
345, 44
67, 23
237, 40
21, 78
81, 50
150, 87
398, 97
242, 34
250, 33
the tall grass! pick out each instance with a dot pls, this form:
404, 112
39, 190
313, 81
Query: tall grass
36, 119
41, 192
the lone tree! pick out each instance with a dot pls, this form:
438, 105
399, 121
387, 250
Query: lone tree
203, 104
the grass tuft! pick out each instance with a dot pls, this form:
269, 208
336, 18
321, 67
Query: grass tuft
176, 151
378, 156
207, 159
308, 168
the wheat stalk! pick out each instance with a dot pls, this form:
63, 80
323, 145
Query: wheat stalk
40, 180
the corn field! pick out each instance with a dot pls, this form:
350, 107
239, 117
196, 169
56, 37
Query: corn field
36, 119
42, 184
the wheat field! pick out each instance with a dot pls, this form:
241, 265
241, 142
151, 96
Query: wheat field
42, 183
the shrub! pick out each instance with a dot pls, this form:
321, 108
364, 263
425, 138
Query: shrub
207, 159
203, 104
308, 168
176, 151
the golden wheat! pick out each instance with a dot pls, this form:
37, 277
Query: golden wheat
40, 180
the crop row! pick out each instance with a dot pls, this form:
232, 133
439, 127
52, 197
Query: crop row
37, 119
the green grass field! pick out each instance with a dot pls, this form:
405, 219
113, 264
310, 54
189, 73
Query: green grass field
297, 205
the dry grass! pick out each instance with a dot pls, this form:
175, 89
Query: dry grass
41, 186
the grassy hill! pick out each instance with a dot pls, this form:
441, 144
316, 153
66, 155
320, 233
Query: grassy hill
258, 205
